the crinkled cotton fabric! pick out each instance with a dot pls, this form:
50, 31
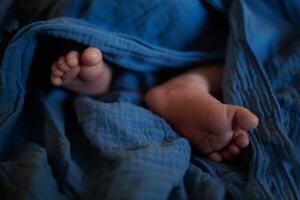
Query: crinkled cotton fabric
55, 144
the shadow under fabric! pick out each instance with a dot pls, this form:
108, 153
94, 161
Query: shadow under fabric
58, 145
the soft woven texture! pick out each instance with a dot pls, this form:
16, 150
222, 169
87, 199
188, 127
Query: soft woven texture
58, 145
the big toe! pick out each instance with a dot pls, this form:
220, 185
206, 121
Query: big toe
91, 56
244, 119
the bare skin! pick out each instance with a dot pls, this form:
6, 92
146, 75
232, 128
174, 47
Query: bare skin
86, 73
216, 129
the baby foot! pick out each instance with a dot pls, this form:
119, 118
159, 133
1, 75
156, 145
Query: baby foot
214, 128
86, 73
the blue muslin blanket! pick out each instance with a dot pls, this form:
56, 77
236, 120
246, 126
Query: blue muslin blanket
58, 145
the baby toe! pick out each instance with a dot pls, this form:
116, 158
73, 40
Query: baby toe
56, 71
233, 149
245, 119
215, 156
241, 139
61, 64
56, 81
91, 56
72, 59
228, 156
